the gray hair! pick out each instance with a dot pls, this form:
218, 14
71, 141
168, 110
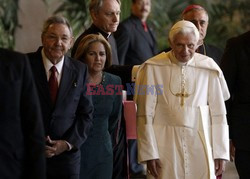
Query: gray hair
56, 20
95, 5
183, 27
193, 7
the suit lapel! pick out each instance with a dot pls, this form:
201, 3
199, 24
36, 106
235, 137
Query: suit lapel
67, 79
148, 36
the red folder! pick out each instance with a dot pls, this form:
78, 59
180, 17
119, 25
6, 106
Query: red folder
130, 119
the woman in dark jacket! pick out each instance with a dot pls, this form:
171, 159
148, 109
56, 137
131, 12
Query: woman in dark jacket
106, 90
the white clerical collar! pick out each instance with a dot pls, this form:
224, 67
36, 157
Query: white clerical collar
109, 34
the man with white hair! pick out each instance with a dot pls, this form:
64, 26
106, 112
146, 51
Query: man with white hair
181, 117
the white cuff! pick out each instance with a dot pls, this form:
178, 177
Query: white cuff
69, 146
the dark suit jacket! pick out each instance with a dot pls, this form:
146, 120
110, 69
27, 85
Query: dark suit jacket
71, 118
95, 30
21, 129
236, 68
211, 51
134, 45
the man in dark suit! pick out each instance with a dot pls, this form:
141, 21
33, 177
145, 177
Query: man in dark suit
21, 128
105, 15
66, 109
199, 16
135, 39
235, 65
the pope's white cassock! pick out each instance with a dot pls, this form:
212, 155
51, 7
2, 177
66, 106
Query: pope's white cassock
183, 121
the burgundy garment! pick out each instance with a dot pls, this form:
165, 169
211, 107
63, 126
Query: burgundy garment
53, 84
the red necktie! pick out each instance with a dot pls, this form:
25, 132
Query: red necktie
145, 27
53, 84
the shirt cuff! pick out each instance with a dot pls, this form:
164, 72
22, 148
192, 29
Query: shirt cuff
69, 146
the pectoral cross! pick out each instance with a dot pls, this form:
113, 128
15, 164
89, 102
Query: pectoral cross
182, 95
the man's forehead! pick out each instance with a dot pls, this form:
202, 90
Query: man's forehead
182, 36
58, 28
109, 5
196, 13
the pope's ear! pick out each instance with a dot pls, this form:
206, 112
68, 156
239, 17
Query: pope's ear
196, 46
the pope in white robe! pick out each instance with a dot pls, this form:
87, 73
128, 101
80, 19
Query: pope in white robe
181, 115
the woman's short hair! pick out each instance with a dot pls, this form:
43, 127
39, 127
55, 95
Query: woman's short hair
85, 43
